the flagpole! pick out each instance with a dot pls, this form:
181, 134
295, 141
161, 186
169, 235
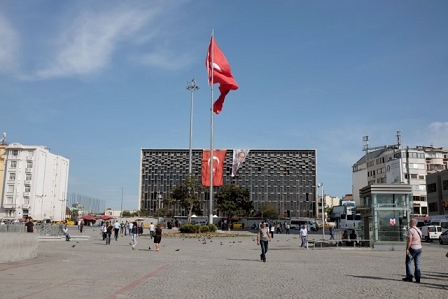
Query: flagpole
210, 216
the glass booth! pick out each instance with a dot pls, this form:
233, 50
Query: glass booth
386, 210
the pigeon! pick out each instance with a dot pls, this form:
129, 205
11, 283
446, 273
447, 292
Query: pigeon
149, 248
177, 250
211, 241
239, 242
73, 245
221, 243
77, 242
204, 243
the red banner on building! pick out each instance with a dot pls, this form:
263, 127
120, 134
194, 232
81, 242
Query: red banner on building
217, 162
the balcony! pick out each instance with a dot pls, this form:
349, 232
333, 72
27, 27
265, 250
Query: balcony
29, 158
25, 206
28, 169
26, 194
28, 182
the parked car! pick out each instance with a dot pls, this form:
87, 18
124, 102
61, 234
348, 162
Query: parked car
443, 238
431, 232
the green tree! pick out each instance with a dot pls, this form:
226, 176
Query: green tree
74, 215
126, 213
268, 211
234, 201
187, 194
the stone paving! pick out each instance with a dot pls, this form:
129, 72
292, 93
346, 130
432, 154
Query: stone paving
223, 267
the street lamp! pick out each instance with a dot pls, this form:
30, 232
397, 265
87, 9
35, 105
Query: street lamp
191, 87
158, 210
321, 185
121, 211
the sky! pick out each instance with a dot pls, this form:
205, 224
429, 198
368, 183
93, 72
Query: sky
97, 81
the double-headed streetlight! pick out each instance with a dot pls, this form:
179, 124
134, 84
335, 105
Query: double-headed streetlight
191, 87
321, 185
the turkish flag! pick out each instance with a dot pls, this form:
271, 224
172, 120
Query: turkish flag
217, 161
217, 63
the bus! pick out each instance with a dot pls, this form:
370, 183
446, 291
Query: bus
350, 221
296, 223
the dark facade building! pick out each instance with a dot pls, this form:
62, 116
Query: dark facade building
285, 179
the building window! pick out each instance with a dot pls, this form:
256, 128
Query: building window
431, 188
10, 188
9, 200
29, 164
27, 189
413, 176
432, 206
14, 152
445, 184
28, 177
13, 164
12, 176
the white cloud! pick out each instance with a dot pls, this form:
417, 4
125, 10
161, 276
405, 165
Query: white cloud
438, 134
8, 46
89, 43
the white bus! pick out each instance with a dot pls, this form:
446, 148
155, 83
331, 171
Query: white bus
296, 223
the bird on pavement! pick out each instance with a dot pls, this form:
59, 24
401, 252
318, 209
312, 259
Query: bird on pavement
73, 245
177, 250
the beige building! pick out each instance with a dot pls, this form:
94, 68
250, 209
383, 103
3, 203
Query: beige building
394, 165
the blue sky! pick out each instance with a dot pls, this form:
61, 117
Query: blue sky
96, 81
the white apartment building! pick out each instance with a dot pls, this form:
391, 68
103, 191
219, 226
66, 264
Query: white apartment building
34, 184
393, 165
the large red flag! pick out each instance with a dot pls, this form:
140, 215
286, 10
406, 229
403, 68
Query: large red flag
217, 162
222, 74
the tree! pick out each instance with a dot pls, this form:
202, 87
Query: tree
234, 201
126, 213
187, 194
268, 211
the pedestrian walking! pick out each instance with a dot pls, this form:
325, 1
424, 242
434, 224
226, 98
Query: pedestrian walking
109, 228
29, 226
263, 239
116, 229
151, 230
121, 228
158, 237
272, 229
279, 228
287, 227
332, 232
126, 227
81, 226
303, 235
413, 251
134, 233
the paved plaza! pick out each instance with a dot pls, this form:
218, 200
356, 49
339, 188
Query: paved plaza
220, 267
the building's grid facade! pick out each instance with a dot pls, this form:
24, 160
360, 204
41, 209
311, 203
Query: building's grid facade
34, 184
285, 179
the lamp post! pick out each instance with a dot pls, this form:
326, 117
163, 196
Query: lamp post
159, 197
321, 185
121, 211
191, 87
